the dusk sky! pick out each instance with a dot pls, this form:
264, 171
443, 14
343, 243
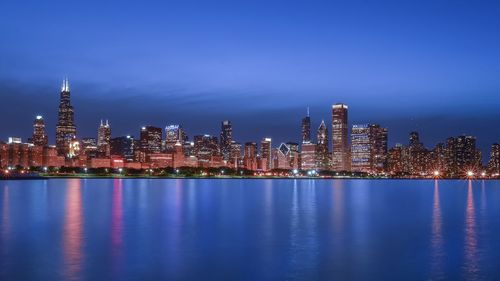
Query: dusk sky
430, 66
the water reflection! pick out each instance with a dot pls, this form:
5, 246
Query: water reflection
117, 224
73, 231
470, 247
5, 218
437, 250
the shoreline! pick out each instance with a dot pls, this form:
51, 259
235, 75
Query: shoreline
48, 177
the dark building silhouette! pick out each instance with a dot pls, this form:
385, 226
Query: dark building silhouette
124, 146
306, 128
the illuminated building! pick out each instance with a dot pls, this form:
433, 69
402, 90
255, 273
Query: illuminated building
306, 128
235, 160
378, 138
360, 148
39, 134
340, 138
308, 156
205, 147
65, 129
160, 160
437, 159
395, 160
462, 155
174, 134
226, 137
123, 146
103, 139
294, 155
150, 140
178, 155
368, 148
322, 153
281, 157
265, 154
494, 162
417, 155
51, 158
250, 156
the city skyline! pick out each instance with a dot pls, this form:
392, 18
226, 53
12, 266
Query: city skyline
362, 149
180, 63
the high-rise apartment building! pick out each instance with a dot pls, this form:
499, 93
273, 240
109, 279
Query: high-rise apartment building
494, 162
65, 128
462, 156
340, 138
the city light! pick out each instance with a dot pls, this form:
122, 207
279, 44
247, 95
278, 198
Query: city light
359, 151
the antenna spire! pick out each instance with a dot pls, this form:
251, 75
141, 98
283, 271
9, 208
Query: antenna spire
308, 111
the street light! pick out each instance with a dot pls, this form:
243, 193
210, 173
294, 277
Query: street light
436, 173
470, 174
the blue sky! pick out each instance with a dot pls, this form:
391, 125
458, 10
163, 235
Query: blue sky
431, 66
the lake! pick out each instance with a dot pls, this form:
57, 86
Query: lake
234, 229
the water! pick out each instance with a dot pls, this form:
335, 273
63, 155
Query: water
249, 230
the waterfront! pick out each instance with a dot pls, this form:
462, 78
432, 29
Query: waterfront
231, 229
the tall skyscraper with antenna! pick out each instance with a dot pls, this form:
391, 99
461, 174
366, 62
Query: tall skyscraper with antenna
306, 128
65, 128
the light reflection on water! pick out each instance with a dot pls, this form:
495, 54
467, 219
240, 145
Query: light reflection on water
437, 248
250, 230
73, 232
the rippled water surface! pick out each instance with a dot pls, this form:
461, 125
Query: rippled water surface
249, 230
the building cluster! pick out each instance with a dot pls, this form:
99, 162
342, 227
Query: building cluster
364, 150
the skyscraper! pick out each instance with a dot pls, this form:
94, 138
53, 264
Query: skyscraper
368, 148
306, 128
462, 156
322, 154
173, 135
250, 156
226, 137
340, 138
265, 154
65, 129
150, 139
103, 139
494, 162
378, 138
39, 133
